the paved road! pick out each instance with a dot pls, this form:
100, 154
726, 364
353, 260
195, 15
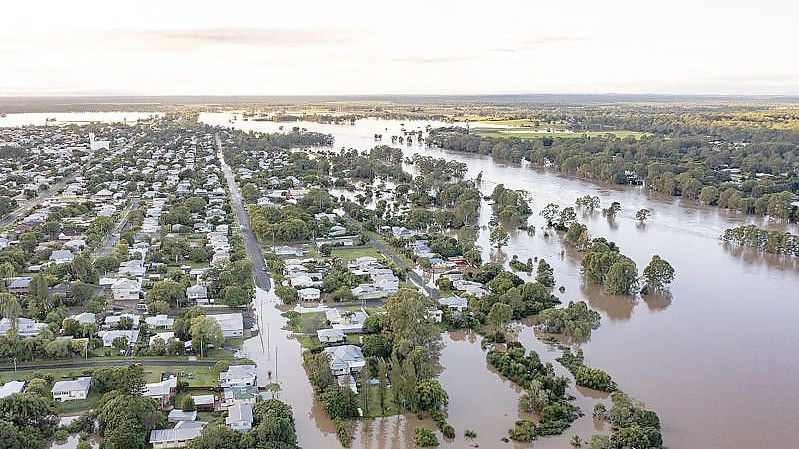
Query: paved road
27, 206
262, 279
112, 238
105, 363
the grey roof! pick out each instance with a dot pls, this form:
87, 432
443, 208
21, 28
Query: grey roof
239, 412
79, 384
174, 435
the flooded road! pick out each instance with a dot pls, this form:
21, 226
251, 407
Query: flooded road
718, 360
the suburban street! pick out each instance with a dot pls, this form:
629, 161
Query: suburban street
28, 205
112, 238
106, 363
262, 279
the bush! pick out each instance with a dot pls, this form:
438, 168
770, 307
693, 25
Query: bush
425, 437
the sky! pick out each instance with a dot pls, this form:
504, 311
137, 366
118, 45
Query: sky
300, 47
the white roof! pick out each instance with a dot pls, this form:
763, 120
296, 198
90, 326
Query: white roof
174, 435
239, 412
229, 321
11, 387
79, 384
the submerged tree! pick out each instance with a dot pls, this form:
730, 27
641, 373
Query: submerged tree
658, 274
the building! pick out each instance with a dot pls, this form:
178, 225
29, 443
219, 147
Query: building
345, 359
12, 387
131, 336
309, 294
176, 415
454, 303
159, 321
162, 392
60, 256
198, 294
26, 328
204, 402
239, 417
330, 336
232, 324
174, 438
71, 390
239, 376
126, 290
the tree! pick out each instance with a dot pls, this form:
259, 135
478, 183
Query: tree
642, 215
424, 437
612, 210
499, 237
216, 436
545, 275
658, 274
622, 277
125, 420
550, 212
187, 404
168, 291
235, 296
204, 331
499, 316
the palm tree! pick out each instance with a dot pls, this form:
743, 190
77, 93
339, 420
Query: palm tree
10, 308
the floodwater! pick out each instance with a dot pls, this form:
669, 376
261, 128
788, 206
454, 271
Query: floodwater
717, 359
65, 118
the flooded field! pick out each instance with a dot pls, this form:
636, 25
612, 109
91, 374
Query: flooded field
78, 118
717, 360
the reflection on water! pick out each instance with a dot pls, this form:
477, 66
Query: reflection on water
718, 361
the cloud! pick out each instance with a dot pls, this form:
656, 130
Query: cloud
431, 59
252, 37
529, 44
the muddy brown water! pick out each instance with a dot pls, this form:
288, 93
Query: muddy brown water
718, 359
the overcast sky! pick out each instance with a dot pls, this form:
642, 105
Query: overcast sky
398, 47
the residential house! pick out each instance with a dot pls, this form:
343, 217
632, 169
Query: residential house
369, 291
232, 324
454, 303
239, 376
204, 402
131, 336
330, 336
19, 285
309, 294
176, 415
345, 359
239, 417
162, 392
26, 328
348, 322
61, 256
174, 438
11, 387
126, 290
71, 390
198, 294
159, 321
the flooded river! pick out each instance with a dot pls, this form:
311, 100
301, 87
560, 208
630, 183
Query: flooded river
718, 360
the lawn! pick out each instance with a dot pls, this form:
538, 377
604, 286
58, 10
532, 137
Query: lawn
307, 323
202, 376
349, 253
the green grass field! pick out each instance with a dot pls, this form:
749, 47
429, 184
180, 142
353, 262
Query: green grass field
350, 254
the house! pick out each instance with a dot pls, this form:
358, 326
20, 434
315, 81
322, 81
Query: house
174, 438
164, 336
288, 251
126, 290
11, 387
239, 395
19, 285
26, 328
454, 303
162, 392
132, 268
309, 294
131, 336
232, 324
345, 359
204, 402
176, 415
239, 376
85, 318
60, 256
114, 320
369, 291
328, 336
71, 390
159, 321
239, 417
348, 322
198, 294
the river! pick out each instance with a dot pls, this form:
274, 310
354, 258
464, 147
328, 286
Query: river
718, 360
